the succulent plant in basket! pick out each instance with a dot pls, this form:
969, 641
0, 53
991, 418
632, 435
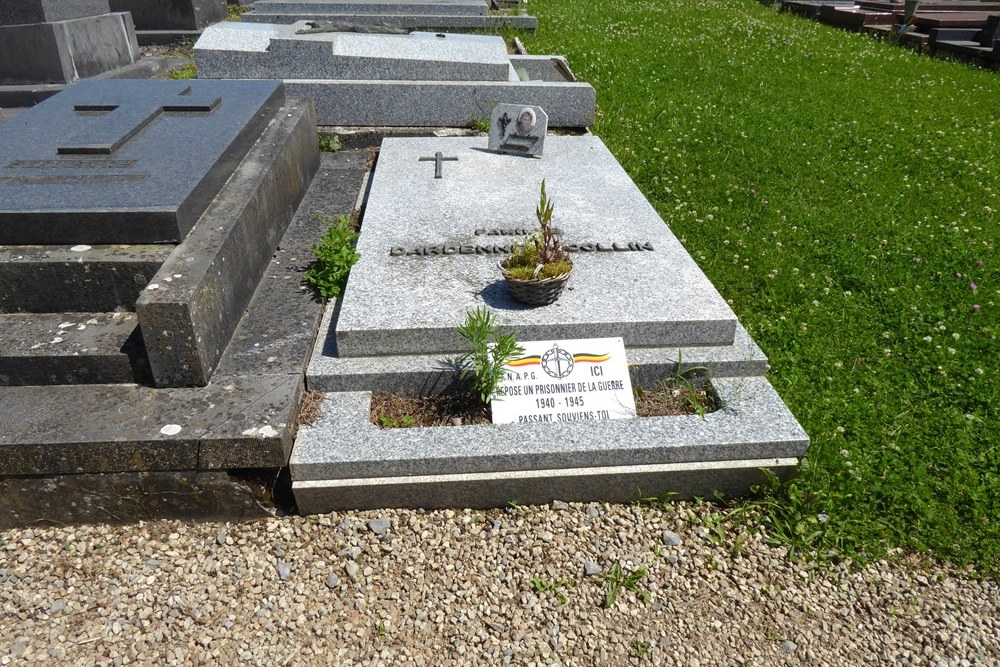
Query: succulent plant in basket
537, 270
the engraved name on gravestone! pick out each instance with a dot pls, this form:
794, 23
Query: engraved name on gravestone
565, 380
518, 129
125, 161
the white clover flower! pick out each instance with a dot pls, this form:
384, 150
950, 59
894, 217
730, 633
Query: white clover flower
928, 339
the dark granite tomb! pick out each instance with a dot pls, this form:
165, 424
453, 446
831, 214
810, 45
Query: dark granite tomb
107, 163
172, 14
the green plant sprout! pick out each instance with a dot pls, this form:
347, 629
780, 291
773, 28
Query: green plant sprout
488, 351
616, 579
542, 256
335, 255
329, 143
542, 586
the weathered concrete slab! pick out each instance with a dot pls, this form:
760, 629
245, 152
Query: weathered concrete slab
68, 348
66, 51
266, 51
419, 272
82, 278
196, 300
125, 161
278, 332
172, 14
129, 498
344, 444
621, 484
15, 12
66, 429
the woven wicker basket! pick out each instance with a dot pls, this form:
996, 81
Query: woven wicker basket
535, 292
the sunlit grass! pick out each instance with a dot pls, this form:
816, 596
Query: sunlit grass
841, 193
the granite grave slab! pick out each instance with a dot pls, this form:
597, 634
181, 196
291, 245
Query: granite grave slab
421, 272
429, 248
265, 51
420, 79
125, 162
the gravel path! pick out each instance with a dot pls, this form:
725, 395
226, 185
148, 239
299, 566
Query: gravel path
464, 587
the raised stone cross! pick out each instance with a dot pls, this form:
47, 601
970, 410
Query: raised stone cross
120, 123
438, 159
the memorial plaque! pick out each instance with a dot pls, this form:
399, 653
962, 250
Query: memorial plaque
518, 129
125, 161
565, 381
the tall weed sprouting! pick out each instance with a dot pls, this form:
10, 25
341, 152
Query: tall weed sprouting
488, 351
334, 256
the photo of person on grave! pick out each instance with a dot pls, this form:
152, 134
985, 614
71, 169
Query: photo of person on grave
526, 121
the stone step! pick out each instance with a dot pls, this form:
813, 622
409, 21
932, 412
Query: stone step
421, 375
340, 455
70, 348
80, 279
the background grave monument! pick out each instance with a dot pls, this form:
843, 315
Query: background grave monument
429, 249
443, 15
62, 41
418, 79
172, 14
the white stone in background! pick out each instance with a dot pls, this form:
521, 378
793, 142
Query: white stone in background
270, 51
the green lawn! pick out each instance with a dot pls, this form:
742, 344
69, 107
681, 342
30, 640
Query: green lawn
842, 193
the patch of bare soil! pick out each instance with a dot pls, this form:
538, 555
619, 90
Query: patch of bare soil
392, 411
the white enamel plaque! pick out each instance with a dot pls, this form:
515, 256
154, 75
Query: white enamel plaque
565, 380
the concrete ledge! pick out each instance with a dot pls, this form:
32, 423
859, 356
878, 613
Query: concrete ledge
128, 498
204, 287
438, 22
427, 374
343, 444
378, 7
533, 487
69, 348
442, 103
55, 279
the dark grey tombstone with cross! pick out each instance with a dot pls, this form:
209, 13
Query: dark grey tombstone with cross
104, 163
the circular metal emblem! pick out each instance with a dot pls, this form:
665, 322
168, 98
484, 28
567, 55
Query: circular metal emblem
557, 362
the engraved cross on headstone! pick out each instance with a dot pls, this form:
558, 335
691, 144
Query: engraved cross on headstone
119, 123
438, 159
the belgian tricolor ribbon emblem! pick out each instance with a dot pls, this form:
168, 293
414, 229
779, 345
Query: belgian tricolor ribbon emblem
582, 357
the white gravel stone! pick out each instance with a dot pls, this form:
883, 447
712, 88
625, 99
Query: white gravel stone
458, 587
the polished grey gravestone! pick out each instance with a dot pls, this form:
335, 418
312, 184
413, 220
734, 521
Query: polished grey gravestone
172, 14
516, 129
429, 250
55, 42
117, 162
163, 197
416, 79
